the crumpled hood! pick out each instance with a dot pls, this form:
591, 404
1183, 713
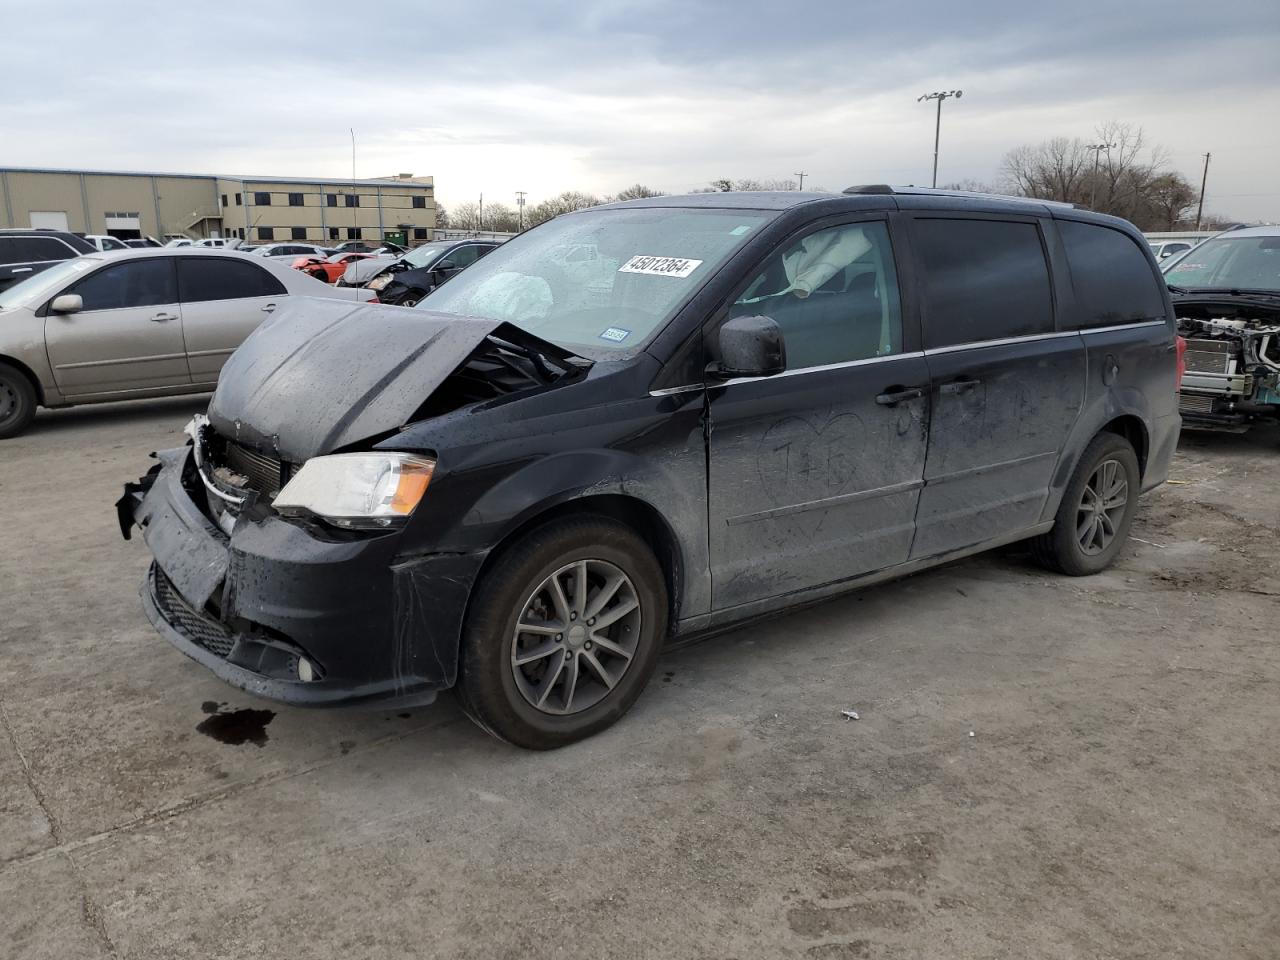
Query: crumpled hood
323, 374
362, 271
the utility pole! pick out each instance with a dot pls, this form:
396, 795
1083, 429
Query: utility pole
938, 95
520, 207
355, 209
1097, 149
801, 175
480, 215
1204, 178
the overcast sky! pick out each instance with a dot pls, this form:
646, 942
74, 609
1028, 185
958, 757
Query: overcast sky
545, 96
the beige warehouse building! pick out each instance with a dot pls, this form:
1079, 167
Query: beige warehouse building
255, 209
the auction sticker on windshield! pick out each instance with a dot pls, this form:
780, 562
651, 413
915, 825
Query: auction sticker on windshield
660, 266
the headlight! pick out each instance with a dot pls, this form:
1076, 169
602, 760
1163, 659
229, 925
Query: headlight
378, 283
357, 489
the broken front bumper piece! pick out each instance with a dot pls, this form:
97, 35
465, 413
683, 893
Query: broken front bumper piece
288, 612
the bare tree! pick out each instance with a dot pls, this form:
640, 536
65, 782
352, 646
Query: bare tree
636, 191
969, 185
465, 216
566, 202
442, 216
501, 218
1118, 174
1171, 196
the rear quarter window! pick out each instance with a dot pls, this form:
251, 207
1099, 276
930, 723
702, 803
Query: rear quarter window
213, 278
1112, 279
983, 280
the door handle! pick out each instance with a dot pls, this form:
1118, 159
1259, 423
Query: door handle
268, 308
958, 386
896, 395
21, 269
161, 317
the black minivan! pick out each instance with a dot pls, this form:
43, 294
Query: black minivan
649, 420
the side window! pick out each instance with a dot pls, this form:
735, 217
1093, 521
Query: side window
40, 249
464, 256
1113, 281
137, 283
212, 278
983, 280
834, 293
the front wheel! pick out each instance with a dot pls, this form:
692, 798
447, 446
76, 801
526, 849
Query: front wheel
1092, 523
564, 633
17, 401
410, 299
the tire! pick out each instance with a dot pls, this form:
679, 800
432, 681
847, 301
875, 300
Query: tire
1070, 547
321, 276
500, 694
17, 401
410, 299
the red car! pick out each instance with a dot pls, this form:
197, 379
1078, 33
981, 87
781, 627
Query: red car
328, 269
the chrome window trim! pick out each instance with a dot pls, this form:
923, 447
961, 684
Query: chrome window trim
1003, 341
1125, 326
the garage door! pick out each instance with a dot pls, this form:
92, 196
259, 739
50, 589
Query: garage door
48, 220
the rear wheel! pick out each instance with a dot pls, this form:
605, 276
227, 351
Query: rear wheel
564, 633
17, 401
1092, 523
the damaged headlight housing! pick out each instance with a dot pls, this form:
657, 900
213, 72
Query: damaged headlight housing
379, 282
361, 490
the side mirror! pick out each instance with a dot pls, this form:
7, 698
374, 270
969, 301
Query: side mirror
444, 266
67, 303
750, 347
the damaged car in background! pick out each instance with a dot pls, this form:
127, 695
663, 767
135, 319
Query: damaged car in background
649, 421
1226, 294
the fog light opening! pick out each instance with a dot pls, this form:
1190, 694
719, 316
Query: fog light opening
306, 672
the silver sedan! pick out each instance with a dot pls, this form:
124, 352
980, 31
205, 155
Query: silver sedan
137, 323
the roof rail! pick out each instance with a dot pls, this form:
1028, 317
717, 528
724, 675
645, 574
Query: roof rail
863, 188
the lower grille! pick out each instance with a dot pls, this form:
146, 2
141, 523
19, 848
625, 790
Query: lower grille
1209, 356
193, 625
1195, 402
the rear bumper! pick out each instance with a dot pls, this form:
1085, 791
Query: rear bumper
372, 627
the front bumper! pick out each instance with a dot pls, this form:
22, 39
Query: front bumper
372, 626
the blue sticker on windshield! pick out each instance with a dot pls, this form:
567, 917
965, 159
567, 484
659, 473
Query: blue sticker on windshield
615, 334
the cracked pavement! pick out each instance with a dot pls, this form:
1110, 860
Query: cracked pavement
1119, 796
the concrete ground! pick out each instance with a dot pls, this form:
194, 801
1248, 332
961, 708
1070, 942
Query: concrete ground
1044, 767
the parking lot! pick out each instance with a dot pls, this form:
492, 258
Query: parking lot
1043, 766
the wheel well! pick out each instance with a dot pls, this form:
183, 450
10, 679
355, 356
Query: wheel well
26, 371
1133, 430
635, 514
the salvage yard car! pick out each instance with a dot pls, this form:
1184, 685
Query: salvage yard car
1226, 294
410, 278
134, 323
732, 404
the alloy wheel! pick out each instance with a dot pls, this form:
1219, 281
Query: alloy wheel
1102, 507
8, 400
576, 636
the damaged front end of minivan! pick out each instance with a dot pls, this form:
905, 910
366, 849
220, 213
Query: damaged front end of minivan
1232, 377
289, 557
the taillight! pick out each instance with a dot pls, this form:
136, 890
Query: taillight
1182, 361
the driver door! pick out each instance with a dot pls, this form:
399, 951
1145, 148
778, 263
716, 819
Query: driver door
815, 473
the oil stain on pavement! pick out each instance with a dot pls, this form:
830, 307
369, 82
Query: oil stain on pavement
235, 727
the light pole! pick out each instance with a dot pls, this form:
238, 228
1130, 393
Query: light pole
938, 95
1097, 149
1204, 178
520, 207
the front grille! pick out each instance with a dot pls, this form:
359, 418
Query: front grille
263, 472
1195, 402
195, 626
1209, 356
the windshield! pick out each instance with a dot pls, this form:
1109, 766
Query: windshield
40, 285
1228, 263
600, 281
424, 255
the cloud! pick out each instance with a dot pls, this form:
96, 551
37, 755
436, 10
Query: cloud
544, 97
